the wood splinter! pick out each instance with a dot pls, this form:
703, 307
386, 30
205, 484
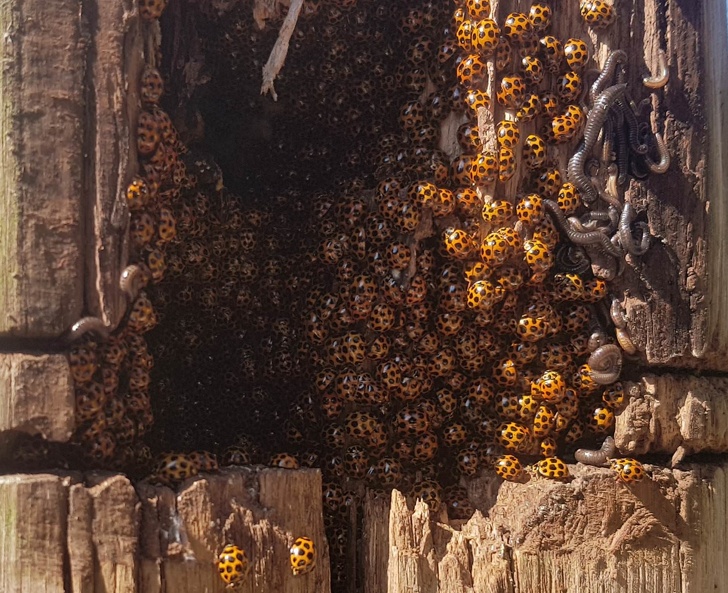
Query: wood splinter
278, 54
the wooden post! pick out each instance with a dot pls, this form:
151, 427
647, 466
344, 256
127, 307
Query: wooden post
43, 58
666, 533
97, 533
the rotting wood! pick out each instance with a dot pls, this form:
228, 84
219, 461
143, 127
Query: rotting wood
33, 515
664, 292
98, 533
261, 510
114, 72
675, 415
36, 395
589, 534
41, 98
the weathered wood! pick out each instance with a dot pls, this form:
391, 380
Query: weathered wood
715, 78
664, 292
117, 37
95, 534
261, 510
43, 58
33, 513
36, 395
675, 415
114, 533
666, 533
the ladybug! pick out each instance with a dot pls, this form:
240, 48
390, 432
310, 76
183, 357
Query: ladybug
469, 137
484, 168
137, 194
151, 10
547, 447
284, 460
613, 396
233, 565
543, 421
551, 52
508, 467
484, 36
476, 99
471, 70
511, 91
464, 35
530, 108
628, 470
508, 133
552, 467
478, 8
569, 86
495, 249
534, 151
468, 202
505, 372
538, 256
429, 492
518, 28
532, 69
503, 54
550, 386
513, 436
540, 16
458, 504
506, 163
569, 198
530, 209
148, 133
303, 556
576, 54
600, 419
597, 13
173, 468
497, 212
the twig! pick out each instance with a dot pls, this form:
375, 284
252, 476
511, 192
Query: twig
278, 54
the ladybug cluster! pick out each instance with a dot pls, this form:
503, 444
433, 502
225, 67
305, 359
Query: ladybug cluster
396, 306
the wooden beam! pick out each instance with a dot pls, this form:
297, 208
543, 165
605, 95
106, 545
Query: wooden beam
118, 39
666, 533
43, 60
36, 395
33, 513
715, 76
675, 415
261, 510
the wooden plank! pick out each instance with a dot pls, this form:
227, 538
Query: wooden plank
675, 415
182, 535
33, 514
113, 104
41, 122
114, 532
36, 395
666, 533
80, 540
715, 77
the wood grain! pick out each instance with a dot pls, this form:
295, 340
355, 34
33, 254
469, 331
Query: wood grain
118, 39
33, 515
586, 535
675, 415
42, 124
36, 395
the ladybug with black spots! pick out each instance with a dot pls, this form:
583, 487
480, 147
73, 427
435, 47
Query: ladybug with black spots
233, 565
628, 470
303, 556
